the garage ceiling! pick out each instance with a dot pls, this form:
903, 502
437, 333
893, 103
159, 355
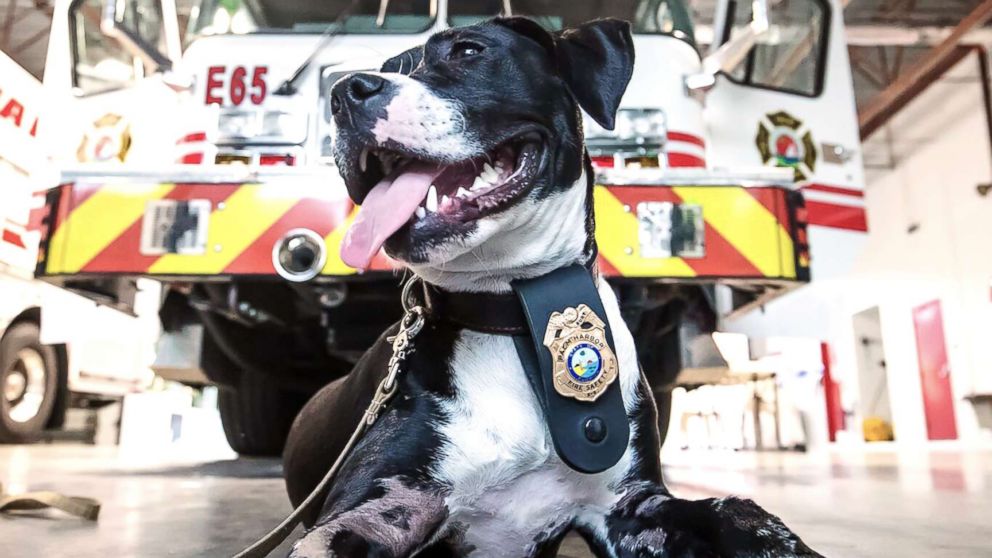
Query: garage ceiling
899, 47
24, 26
908, 13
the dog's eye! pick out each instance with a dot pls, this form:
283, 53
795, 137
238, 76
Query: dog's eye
464, 50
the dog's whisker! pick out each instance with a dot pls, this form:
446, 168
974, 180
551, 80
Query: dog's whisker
482, 262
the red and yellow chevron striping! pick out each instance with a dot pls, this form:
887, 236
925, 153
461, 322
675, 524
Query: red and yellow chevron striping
747, 232
98, 229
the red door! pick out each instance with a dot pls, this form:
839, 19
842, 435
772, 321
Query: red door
935, 372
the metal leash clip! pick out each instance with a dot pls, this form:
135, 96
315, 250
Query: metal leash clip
410, 326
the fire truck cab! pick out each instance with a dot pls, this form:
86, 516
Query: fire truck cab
208, 167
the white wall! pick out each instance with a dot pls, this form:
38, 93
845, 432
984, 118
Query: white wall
923, 172
941, 155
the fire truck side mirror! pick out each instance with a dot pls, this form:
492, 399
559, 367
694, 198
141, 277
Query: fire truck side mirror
731, 53
119, 21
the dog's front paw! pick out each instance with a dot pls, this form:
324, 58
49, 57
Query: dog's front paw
730, 527
340, 544
311, 545
646, 543
651, 523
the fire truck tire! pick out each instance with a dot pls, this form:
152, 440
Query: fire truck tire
28, 384
257, 414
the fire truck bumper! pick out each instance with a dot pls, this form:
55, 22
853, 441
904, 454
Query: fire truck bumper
698, 224
195, 223
184, 224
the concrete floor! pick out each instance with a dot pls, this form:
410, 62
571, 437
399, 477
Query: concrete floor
858, 503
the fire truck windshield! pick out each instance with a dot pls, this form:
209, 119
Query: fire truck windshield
646, 16
215, 17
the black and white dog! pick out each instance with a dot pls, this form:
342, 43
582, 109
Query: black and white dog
467, 157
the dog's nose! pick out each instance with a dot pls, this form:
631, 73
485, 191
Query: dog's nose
363, 86
355, 90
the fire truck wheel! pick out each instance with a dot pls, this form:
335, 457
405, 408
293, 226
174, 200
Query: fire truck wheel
257, 414
28, 384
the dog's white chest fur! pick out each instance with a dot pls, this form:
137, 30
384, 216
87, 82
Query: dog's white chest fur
507, 483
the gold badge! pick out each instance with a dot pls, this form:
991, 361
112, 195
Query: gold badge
582, 362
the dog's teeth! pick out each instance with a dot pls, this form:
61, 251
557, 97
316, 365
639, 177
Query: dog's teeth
479, 184
432, 198
363, 159
487, 173
444, 200
461, 193
421, 212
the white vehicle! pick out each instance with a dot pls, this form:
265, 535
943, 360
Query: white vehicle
698, 205
57, 349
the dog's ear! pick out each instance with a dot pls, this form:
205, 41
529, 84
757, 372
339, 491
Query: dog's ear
596, 60
404, 62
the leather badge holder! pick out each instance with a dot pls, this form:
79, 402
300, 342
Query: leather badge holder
571, 363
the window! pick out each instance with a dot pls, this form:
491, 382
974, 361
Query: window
667, 17
102, 63
216, 17
791, 56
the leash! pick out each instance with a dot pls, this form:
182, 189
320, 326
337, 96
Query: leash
410, 325
86, 508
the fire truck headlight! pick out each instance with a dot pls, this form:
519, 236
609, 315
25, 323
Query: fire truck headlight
237, 124
633, 126
650, 124
273, 126
276, 123
624, 128
641, 125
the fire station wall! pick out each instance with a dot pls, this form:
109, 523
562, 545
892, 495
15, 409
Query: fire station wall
928, 240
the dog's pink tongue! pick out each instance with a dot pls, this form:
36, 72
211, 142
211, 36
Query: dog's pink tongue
387, 207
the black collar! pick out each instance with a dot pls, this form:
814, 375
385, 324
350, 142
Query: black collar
495, 313
499, 314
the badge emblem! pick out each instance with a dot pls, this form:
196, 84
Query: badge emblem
582, 362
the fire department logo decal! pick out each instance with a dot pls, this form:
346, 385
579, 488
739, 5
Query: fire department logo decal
783, 141
108, 139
